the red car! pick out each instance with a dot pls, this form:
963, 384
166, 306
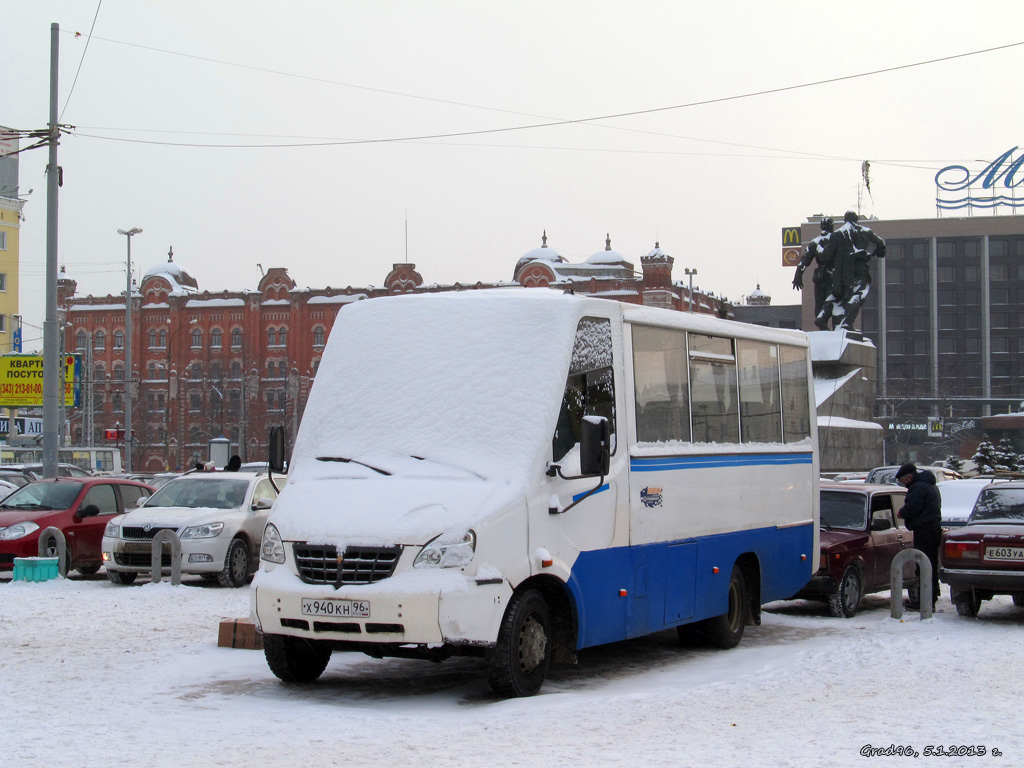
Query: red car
79, 506
986, 557
860, 536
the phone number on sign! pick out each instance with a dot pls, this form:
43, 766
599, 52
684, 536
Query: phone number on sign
930, 751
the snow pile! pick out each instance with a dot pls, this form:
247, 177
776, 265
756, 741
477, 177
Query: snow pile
89, 669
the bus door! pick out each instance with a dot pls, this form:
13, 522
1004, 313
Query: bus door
576, 521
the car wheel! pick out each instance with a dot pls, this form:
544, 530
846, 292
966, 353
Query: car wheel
121, 577
967, 603
726, 631
295, 659
88, 570
236, 565
844, 602
520, 659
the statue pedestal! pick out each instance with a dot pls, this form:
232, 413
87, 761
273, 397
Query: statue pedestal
845, 381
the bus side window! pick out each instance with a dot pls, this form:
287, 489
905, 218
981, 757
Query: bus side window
590, 387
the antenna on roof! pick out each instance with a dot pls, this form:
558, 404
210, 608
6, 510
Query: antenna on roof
406, 235
261, 269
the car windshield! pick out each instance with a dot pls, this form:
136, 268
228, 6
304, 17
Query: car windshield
844, 510
198, 491
46, 495
1003, 504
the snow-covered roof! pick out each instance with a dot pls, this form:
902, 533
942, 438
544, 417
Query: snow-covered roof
336, 299
180, 279
608, 256
208, 303
95, 307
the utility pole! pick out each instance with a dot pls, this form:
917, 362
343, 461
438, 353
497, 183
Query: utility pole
53, 389
128, 440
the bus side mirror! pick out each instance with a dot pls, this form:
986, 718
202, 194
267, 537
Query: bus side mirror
276, 448
595, 446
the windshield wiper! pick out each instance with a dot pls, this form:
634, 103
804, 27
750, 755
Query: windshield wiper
30, 506
353, 461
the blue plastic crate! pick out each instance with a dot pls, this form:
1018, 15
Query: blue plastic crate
35, 568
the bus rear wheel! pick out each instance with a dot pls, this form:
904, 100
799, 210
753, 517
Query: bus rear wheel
726, 631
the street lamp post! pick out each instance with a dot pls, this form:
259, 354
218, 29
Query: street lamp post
128, 441
690, 272
177, 390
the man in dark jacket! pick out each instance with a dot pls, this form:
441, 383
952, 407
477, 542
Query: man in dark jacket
922, 512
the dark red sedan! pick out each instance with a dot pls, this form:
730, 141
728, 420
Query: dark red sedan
986, 557
860, 536
80, 507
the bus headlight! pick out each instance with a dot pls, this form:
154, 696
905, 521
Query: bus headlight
447, 551
272, 548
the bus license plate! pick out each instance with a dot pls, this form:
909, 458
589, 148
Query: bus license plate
1004, 553
345, 609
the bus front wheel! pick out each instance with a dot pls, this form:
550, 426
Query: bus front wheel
520, 659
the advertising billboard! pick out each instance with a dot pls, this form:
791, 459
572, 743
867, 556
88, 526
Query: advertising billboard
21, 380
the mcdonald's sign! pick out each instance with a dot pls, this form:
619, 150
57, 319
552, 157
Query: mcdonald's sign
790, 236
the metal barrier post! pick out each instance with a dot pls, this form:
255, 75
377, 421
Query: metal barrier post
62, 548
156, 570
896, 583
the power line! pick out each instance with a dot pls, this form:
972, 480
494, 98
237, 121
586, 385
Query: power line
81, 60
550, 123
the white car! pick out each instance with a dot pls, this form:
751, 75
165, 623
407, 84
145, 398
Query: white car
219, 517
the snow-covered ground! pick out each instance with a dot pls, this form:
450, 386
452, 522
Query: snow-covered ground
93, 674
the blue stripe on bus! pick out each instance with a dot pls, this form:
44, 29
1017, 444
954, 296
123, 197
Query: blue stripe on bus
624, 592
662, 464
579, 496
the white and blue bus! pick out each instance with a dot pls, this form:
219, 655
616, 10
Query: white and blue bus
521, 474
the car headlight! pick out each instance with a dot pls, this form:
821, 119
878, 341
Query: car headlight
18, 531
113, 529
447, 551
272, 549
207, 531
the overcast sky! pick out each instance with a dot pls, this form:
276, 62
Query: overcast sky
713, 182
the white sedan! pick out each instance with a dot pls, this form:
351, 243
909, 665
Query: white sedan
218, 516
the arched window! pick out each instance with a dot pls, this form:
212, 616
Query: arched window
118, 339
318, 336
197, 339
163, 338
236, 337
118, 373
316, 366
236, 370
271, 337
215, 337
152, 337
193, 435
194, 401
97, 372
99, 340
118, 399
215, 370
80, 340
282, 336
197, 371
151, 370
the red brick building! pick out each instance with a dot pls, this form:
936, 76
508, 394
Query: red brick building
235, 363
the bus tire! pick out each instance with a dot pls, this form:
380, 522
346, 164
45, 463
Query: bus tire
520, 659
726, 631
296, 659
